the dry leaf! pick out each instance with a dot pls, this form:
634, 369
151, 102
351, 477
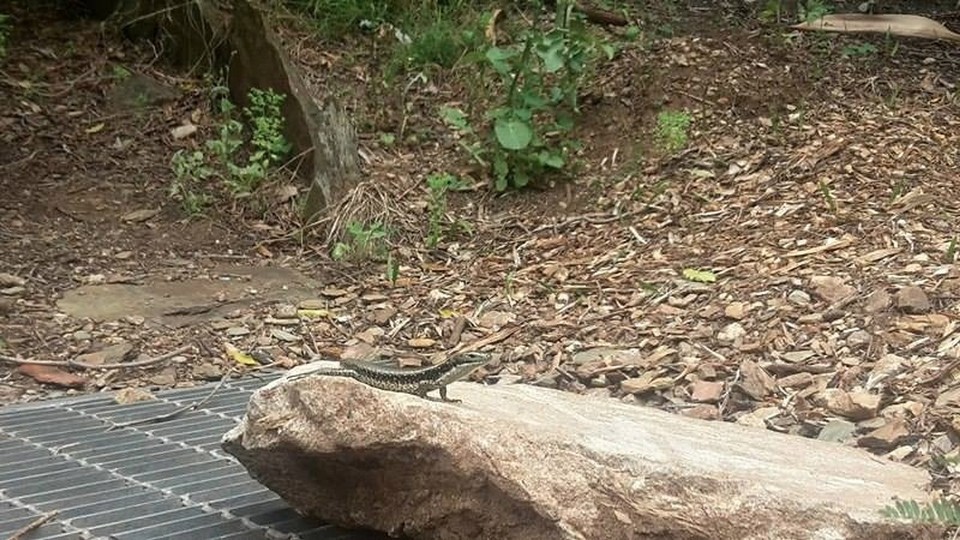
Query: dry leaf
52, 375
421, 343
239, 356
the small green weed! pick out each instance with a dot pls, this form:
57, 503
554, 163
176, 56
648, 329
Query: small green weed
811, 10
891, 45
363, 242
4, 34
393, 269
950, 256
338, 17
773, 11
828, 196
190, 170
141, 101
229, 141
221, 160
672, 127
120, 73
438, 185
388, 139
440, 43
805, 10
892, 100
859, 49
941, 511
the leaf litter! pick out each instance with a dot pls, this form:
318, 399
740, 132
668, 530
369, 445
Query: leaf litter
790, 269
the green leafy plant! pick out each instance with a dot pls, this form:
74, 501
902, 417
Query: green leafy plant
773, 11
230, 140
221, 161
190, 170
524, 134
941, 511
363, 242
672, 127
811, 10
859, 49
269, 145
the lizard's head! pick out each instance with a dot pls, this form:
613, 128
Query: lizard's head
474, 359
462, 365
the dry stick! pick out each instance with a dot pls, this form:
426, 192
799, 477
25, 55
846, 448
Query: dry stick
496, 337
84, 365
139, 363
32, 526
940, 375
24, 361
458, 327
171, 415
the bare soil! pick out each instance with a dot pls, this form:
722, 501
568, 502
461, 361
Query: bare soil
818, 186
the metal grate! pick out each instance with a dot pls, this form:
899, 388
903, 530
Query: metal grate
159, 481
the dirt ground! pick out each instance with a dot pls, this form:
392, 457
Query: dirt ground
818, 186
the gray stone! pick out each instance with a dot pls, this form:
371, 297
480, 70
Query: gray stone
108, 355
799, 298
237, 331
878, 301
830, 288
630, 357
519, 462
913, 300
286, 311
837, 431
731, 332
283, 335
138, 91
206, 371
858, 339
182, 303
165, 378
10, 280
853, 405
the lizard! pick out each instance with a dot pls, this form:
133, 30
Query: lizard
409, 381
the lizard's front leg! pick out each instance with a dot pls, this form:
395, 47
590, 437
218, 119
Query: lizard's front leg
443, 396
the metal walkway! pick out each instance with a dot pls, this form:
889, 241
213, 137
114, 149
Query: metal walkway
161, 481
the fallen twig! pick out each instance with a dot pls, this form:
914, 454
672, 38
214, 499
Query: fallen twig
138, 363
26, 361
32, 526
940, 375
178, 412
495, 337
84, 365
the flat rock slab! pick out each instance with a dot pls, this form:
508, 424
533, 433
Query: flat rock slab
179, 303
516, 461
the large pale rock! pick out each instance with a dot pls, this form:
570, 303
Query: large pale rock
519, 462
